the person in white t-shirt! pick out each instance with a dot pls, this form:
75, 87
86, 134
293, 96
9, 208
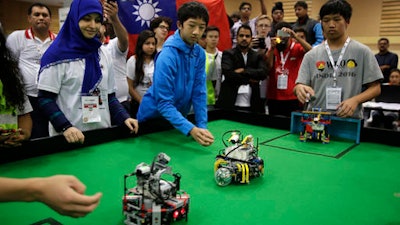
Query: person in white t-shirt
140, 68
245, 9
118, 49
76, 80
28, 47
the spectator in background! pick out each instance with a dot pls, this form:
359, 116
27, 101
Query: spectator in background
243, 69
261, 42
140, 68
387, 118
394, 78
161, 26
213, 64
301, 33
28, 47
233, 18
118, 49
284, 59
277, 16
16, 123
245, 9
387, 60
312, 27
76, 80
342, 73
180, 79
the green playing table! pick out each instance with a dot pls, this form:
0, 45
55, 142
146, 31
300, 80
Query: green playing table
304, 183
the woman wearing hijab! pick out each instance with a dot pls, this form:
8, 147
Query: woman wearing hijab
76, 82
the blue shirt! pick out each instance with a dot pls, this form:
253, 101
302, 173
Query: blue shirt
179, 82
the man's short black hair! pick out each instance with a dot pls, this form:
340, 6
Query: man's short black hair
211, 28
302, 4
383, 39
245, 27
40, 5
156, 22
195, 10
341, 7
243, 4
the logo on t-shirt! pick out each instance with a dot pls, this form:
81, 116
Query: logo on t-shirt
320, 65
351, 63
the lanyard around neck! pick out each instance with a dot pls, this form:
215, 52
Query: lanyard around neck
284, 59
336, 65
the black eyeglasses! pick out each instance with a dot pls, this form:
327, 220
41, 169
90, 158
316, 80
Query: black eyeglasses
162, 27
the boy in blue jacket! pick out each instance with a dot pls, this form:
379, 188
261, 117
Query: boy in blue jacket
179, 77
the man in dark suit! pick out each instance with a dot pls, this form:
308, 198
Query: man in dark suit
243, 69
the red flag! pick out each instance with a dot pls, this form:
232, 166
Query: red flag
218, 18
136, 15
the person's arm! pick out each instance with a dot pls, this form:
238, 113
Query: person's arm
233, 72
132, 91
200, 132
111, 13
394, 62
319, 37
347, 107
263, 7
119, 114
307, 47
303, 92
269, 56
256, 68
23, 133
13, 44
64, 194
48, 105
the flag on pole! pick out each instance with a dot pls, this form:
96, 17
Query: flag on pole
136, 15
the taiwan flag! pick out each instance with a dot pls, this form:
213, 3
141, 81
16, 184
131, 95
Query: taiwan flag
136, 15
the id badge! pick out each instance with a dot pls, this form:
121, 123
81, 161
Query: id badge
282, 82
333, 97
90, 108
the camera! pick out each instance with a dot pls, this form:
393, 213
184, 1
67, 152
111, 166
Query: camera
282, 33
261, 43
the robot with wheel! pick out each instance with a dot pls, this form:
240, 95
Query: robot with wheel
154, 200
238, 162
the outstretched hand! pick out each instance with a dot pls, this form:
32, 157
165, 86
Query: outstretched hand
66, 195
202, 136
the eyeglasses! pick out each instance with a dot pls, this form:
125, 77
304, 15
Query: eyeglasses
162, 27
264, 26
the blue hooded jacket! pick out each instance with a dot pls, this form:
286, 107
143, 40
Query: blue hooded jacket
179, 82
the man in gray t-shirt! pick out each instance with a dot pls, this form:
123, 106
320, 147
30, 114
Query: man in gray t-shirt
338, 90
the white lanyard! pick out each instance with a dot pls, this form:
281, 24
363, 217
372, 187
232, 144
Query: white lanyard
336, 65
284, 59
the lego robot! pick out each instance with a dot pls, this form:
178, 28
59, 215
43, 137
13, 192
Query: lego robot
155, 200
315, 125
239, 161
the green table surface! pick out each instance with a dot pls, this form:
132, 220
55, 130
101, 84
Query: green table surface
304, 183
